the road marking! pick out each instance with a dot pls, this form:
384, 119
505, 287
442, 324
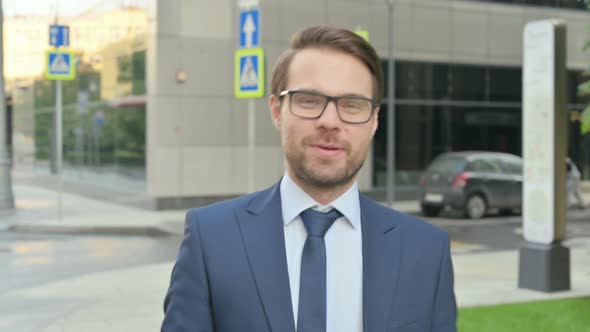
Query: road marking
34, 204
461, 247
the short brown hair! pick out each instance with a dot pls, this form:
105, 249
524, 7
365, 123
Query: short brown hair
323, 36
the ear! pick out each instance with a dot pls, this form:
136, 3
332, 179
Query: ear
375, 121
275, 111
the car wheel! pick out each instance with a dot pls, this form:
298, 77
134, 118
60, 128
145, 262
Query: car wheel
430, 210
475, 207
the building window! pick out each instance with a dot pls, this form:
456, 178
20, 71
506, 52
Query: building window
566, 4
441, 107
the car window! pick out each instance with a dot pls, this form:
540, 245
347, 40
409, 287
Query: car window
512, 166
447, 165
483, 166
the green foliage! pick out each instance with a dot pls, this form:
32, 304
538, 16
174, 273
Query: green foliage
131, 68
124, 68
44, 93
43, 129
571, 315
120, 140
138, 73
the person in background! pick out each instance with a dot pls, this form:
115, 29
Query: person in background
574, 192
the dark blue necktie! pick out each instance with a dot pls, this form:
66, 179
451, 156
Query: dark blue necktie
312, 287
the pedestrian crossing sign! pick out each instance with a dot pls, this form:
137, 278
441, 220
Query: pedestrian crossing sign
60, 65
249, 73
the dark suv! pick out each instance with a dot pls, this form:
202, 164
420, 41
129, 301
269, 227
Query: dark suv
473, 182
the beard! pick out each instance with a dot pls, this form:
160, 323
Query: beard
323, 173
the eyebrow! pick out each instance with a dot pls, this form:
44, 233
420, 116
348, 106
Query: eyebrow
321, 93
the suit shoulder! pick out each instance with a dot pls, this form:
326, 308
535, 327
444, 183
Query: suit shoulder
411, 225
224, 211
219, 210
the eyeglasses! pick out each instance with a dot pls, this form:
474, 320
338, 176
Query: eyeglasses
311, 105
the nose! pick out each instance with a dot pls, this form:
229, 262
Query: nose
329, 118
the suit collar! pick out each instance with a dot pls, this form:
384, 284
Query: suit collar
299, 201
266, 199
263, 234
381, 263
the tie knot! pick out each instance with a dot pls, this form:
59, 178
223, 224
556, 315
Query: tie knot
317, 223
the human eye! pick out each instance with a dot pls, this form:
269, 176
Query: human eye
308, 100
354, 105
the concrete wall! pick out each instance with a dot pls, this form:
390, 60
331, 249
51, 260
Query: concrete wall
197, 131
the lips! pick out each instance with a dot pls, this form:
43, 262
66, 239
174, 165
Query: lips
327, 147
327, 150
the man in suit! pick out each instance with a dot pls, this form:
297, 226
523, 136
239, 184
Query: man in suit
311, 253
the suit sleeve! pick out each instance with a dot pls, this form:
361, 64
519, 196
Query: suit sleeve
445, 306
187, 303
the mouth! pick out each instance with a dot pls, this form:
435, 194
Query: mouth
327, 150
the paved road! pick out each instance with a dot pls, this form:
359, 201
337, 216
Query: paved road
27, 260
496, 232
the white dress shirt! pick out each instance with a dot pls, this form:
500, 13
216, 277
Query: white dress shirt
344, 260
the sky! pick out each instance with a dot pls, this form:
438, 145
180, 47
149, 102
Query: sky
63, 7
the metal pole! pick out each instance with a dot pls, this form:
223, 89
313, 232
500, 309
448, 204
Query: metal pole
251, 143
58, 143
6, 196
390, 179
53, 168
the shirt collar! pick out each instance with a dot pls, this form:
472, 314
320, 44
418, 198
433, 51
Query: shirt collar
294, 201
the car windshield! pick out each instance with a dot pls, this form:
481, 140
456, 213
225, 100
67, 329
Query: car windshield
447, 165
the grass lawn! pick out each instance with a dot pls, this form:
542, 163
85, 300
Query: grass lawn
569, 315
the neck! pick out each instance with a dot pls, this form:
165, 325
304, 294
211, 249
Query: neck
322, 195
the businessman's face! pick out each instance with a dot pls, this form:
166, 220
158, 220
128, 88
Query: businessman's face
324, 152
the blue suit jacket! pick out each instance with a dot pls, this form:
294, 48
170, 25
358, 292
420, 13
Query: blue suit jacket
231, 271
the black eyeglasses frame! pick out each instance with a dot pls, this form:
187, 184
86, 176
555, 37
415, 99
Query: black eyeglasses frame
290, 93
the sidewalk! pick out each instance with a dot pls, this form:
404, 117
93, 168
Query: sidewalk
37, 210
131, 299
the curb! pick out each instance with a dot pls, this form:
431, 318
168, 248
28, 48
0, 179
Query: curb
149, 231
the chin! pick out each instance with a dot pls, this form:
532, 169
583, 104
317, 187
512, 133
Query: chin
327, 177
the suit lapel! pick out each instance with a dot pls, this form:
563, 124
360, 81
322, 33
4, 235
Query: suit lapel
263, 234
381, 264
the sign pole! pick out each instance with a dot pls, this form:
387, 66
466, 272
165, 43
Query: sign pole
61, 65
249, 74
59, 144
251, 144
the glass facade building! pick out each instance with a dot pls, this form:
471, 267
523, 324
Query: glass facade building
442, 107
564, 4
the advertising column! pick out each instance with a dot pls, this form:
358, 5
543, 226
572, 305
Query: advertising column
543, 260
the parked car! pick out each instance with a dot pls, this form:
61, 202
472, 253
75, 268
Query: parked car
473, 182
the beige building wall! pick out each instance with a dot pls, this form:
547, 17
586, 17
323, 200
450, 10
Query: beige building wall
197, 130
25, 41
